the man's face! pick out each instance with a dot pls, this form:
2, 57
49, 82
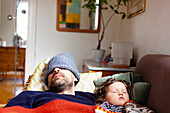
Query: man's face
60, 80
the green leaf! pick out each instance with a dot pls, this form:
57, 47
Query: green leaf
124, 1
90, 13
121, 12
89, 1
123, 16
105, 1
111, 7
119, 1
116, 11
101, 1
105, 8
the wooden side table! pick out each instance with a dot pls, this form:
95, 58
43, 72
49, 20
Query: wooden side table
7, 60
91, 66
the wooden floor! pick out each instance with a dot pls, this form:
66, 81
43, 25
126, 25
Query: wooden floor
7, 88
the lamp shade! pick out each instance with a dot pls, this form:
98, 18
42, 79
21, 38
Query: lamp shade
121, 53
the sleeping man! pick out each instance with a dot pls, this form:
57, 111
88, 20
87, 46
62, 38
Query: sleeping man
61, 77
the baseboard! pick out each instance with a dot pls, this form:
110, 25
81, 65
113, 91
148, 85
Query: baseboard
10, 76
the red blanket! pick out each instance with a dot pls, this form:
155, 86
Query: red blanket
55, 106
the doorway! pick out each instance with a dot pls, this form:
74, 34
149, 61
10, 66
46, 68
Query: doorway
13, 20
22, 21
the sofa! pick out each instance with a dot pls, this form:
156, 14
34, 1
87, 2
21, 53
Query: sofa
155, 69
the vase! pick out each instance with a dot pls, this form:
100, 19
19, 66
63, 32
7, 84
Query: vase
98, 55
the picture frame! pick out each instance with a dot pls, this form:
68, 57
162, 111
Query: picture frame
72, 17
135, 7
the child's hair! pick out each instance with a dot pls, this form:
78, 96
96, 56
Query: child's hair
100, 92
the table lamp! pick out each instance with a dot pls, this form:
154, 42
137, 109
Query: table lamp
121, 53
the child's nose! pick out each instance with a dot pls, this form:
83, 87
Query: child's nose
120, 93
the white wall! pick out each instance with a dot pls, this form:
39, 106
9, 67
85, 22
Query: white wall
149, 31
7, 26
50, 42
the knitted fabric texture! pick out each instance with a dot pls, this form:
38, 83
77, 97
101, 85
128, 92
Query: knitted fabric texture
64, 61
109, 107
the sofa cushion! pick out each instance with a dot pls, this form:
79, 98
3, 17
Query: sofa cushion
128, 77
120, 76
36, 81
140, 92
86, 81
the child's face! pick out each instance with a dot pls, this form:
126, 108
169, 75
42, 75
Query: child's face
117, 94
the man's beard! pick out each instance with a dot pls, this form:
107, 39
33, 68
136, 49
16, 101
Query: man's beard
60, 84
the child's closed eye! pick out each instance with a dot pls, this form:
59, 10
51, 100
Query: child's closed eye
124, 91
115, 91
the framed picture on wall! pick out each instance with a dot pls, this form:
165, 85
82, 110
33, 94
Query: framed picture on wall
135, 7
72, 17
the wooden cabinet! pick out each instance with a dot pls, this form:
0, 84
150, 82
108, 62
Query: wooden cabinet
7, 59
91, 66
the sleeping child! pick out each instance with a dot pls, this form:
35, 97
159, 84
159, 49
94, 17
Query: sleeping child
114, 96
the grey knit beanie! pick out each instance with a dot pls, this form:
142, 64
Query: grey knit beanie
63, 60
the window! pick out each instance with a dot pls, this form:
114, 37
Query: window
22, 20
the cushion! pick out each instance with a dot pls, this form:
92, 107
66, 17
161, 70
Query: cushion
36, 82
140, 92
128, 77
120, 76
140, 89
86, 81
136, 78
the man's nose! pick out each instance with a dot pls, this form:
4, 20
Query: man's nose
56, 70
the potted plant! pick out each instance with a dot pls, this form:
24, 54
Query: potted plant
114, 5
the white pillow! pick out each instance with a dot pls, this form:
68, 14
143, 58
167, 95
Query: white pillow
36, 82
86, 81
